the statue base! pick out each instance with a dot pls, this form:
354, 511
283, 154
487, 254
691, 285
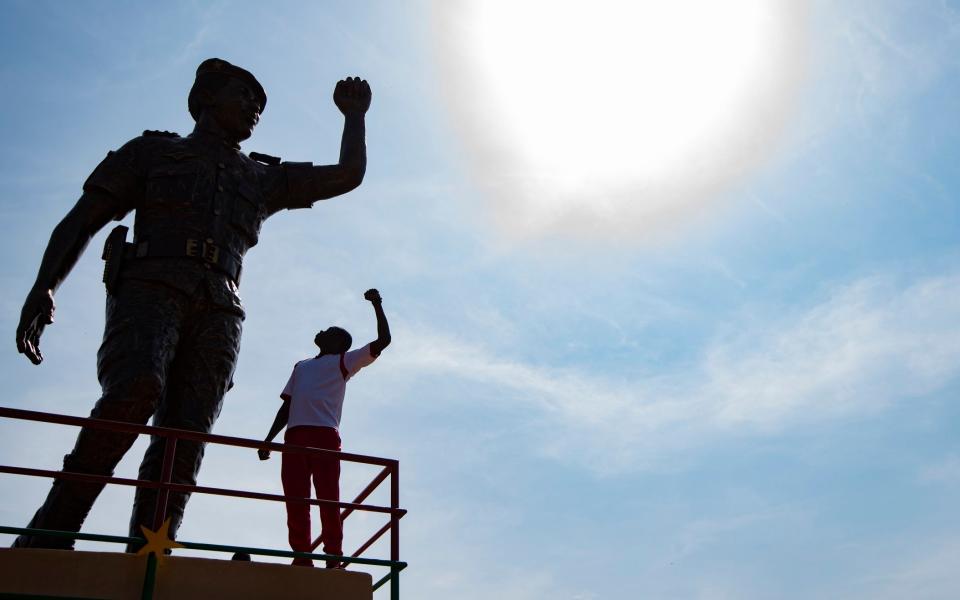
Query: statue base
118, 576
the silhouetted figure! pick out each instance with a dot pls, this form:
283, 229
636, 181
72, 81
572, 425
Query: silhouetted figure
311, 409
173, 317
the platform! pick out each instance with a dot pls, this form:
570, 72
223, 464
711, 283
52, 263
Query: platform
117, 576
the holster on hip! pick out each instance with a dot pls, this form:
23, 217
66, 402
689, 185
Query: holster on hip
113, 251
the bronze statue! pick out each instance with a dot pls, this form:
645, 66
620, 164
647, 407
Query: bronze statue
173, 315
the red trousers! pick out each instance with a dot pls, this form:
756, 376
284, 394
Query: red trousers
295, 473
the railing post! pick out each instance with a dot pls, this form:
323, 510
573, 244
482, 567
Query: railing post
166, 474
149, 578
395, 531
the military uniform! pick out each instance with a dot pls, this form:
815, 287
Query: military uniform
173, 322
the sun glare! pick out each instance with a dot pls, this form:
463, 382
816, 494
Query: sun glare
601, 109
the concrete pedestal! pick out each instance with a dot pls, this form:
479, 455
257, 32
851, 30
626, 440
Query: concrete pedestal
118, 576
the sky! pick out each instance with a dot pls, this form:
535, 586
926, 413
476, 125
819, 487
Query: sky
672, 290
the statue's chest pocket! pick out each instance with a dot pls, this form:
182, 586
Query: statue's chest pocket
248, 211
174, 184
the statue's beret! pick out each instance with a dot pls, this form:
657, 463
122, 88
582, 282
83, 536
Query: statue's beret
218, 66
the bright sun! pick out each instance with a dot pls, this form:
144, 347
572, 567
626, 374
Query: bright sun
603, 110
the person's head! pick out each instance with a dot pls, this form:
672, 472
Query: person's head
227, 97
333, 340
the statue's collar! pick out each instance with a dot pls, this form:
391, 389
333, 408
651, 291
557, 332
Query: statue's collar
207, 137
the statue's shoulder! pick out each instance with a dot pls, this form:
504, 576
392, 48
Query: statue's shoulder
156, 133
155, 140
265, 159
147, 144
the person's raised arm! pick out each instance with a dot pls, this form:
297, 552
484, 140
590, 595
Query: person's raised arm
383, 328
67, 242
352, 96
279, 422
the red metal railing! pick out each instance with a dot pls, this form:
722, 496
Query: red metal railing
165, 485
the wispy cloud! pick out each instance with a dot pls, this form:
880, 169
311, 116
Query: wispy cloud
869, 344
946, 471
927, 573
702, 534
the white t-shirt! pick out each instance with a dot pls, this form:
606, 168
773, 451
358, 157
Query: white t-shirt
317, 385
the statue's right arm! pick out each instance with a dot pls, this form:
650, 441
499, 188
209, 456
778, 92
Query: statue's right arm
308, 185
70, 237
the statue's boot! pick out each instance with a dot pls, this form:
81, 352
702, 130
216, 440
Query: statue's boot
96, 452
186, 465
65, 509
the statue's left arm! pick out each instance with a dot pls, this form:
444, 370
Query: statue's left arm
110, 192
67, 242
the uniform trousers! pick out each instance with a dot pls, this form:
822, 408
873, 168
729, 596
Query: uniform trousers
166, 354
296, 472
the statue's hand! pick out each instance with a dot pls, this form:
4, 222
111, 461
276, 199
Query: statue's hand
37, 313
372, 295
352, 96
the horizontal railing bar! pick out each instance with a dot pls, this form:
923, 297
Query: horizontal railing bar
180, 487
89, 537
279, 498
30, 415
376, 562
388, 576
95, 537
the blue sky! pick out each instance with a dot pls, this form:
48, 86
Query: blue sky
749, 393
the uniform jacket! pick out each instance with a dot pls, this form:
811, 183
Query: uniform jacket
196, 187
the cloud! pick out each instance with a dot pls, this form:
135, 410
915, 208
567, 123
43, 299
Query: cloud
701, 535
869, 344
945, 471
868, 60
927, 573
866, 346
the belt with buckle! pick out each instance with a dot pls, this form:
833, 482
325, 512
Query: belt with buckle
203, 250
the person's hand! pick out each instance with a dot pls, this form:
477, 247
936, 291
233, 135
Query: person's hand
37, 313
372, 295
263, 453
352, 96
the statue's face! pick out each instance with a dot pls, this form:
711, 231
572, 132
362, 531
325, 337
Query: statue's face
236, 109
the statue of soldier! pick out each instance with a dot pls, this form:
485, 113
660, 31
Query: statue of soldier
173, 315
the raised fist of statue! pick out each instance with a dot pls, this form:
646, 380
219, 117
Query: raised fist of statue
372, 295
352, 96
37, 313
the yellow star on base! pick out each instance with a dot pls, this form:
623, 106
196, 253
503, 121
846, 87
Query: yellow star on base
158, 542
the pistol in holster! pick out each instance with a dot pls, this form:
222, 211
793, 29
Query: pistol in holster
113, 251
